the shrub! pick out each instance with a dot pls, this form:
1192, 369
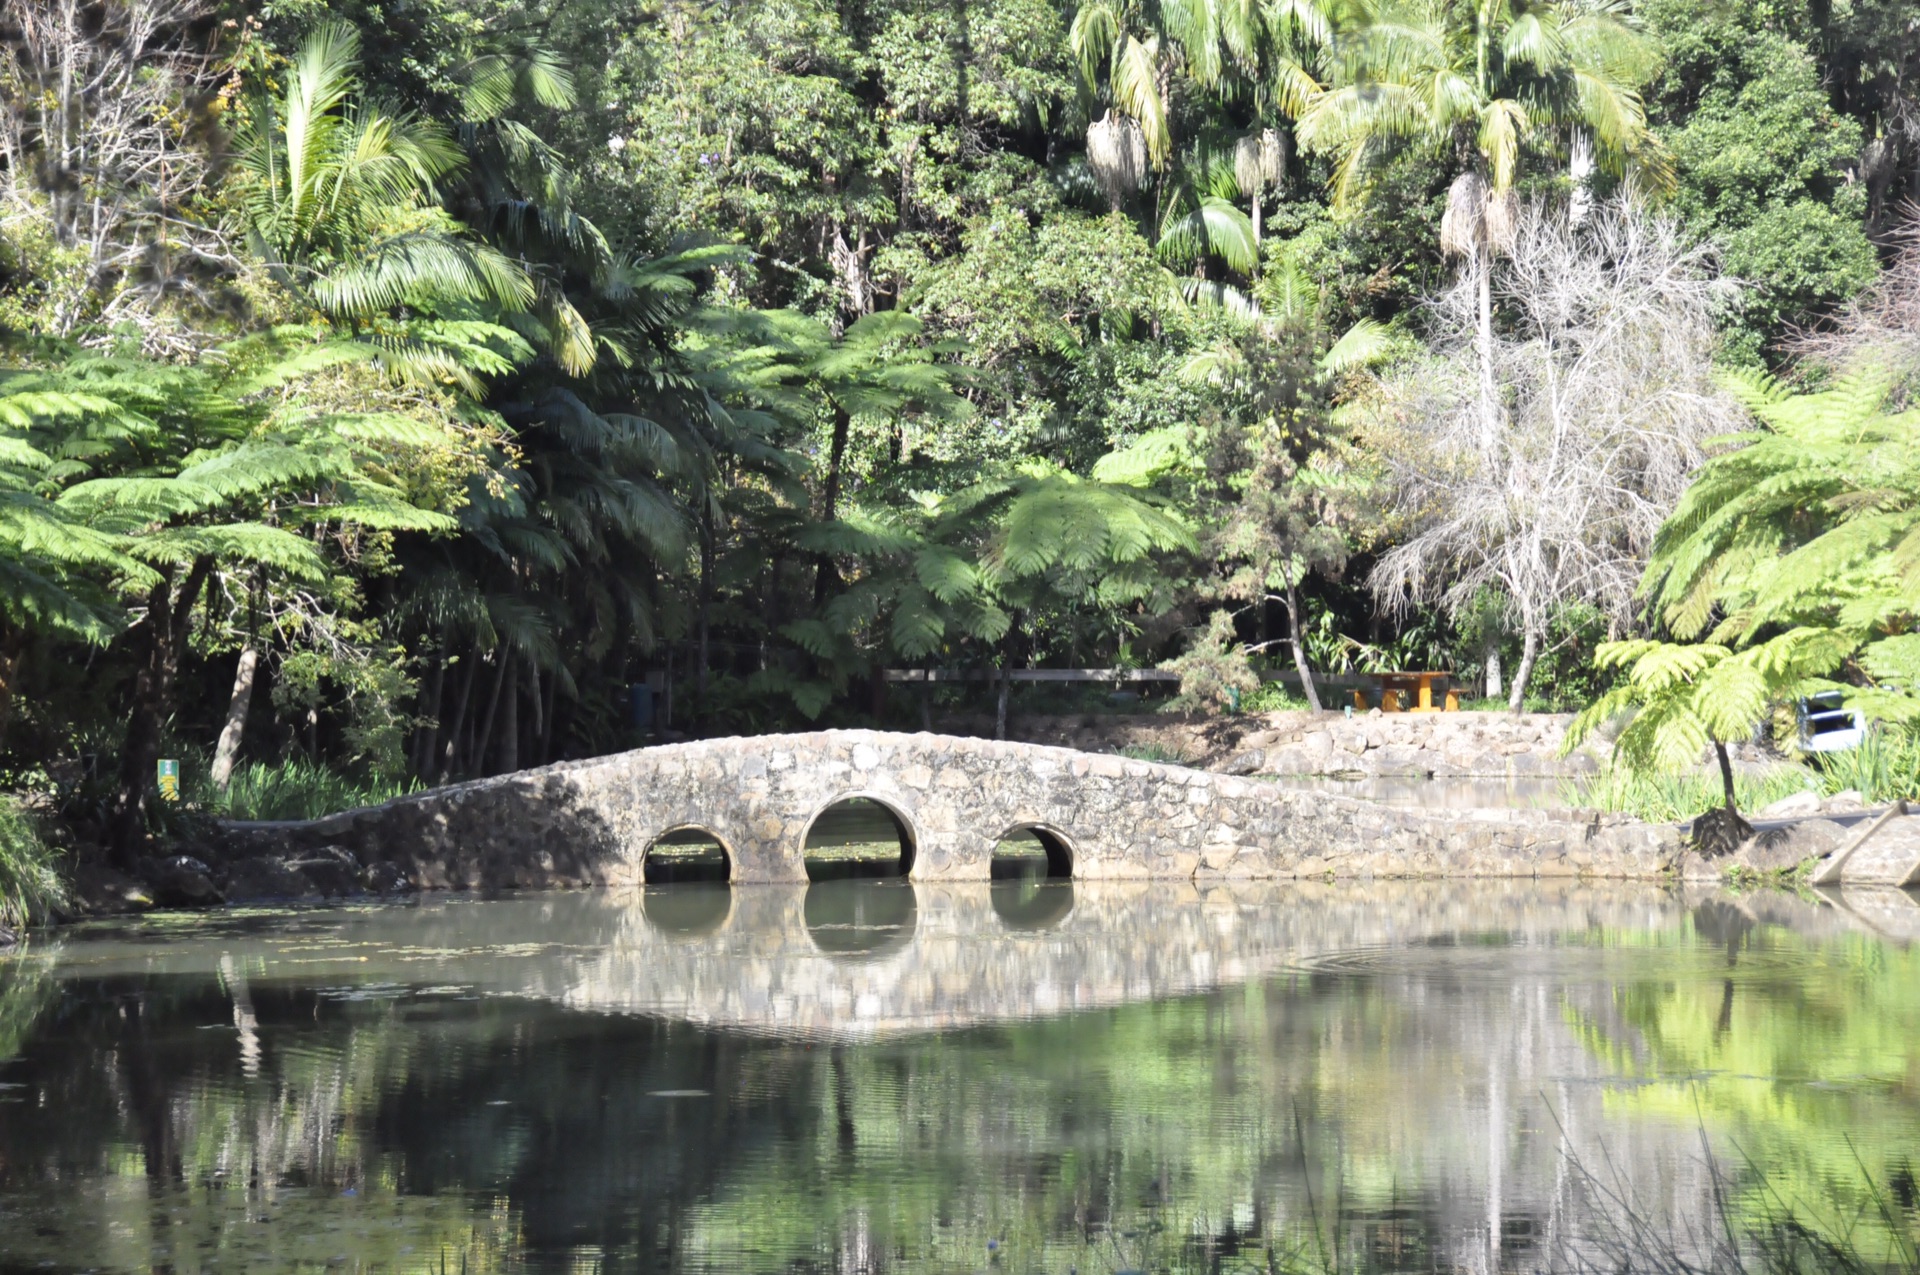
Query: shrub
31, 887
1274, 697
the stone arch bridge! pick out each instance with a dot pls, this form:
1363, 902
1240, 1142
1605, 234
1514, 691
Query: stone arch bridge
594, 821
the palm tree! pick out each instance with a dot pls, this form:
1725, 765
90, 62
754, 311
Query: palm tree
1475, 82
1127, 53
338, 197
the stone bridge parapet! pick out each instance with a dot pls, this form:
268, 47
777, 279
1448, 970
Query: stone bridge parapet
593, 821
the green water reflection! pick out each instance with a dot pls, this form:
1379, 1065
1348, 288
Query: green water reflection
1026, 1076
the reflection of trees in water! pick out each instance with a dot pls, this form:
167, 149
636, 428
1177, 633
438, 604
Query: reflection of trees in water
24, 991
1806, 1052
1409, 1109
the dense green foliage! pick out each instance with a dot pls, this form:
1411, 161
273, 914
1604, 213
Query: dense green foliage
445, 372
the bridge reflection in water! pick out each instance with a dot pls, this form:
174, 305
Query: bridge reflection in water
1149, 1075
848, 960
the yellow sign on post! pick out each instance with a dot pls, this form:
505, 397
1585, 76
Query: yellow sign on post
169, 777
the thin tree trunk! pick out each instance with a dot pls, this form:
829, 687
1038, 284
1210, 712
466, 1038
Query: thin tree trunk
1529, 653
546, 717
1721, 831
1000, 703
484, 740
824, 573
449, 755
510, 720
536, 725
227, 751
1726, 776
434, 701
1299, 649
164, 634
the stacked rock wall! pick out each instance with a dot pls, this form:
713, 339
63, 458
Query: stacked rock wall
592, 822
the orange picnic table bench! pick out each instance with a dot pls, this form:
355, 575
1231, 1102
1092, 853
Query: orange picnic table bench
1410, 692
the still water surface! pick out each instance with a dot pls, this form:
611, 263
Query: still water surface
869, 1076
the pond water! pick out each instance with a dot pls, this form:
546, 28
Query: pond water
874, 1076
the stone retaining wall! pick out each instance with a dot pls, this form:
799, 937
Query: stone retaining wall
1480, 745
592, 822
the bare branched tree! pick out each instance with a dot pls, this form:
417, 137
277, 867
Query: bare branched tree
105, 128
1883, 322
1602, 357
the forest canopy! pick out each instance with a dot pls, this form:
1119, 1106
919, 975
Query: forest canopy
396, 388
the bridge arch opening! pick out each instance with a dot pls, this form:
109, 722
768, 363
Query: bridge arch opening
687, 854
1031, 851
856, 838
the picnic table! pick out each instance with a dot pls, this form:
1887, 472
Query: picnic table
1419, 689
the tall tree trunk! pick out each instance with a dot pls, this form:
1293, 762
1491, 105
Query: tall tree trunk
702, 615
1299, 649
824, 573
1580, 166
1529, 653
13, 649
163, 638
1006, 678
1483, 343
227, 750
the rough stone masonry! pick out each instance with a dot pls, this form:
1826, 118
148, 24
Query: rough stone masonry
592, 822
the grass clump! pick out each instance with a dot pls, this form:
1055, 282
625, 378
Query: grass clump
31, 886
1156, 753
296, 789
1675, 798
